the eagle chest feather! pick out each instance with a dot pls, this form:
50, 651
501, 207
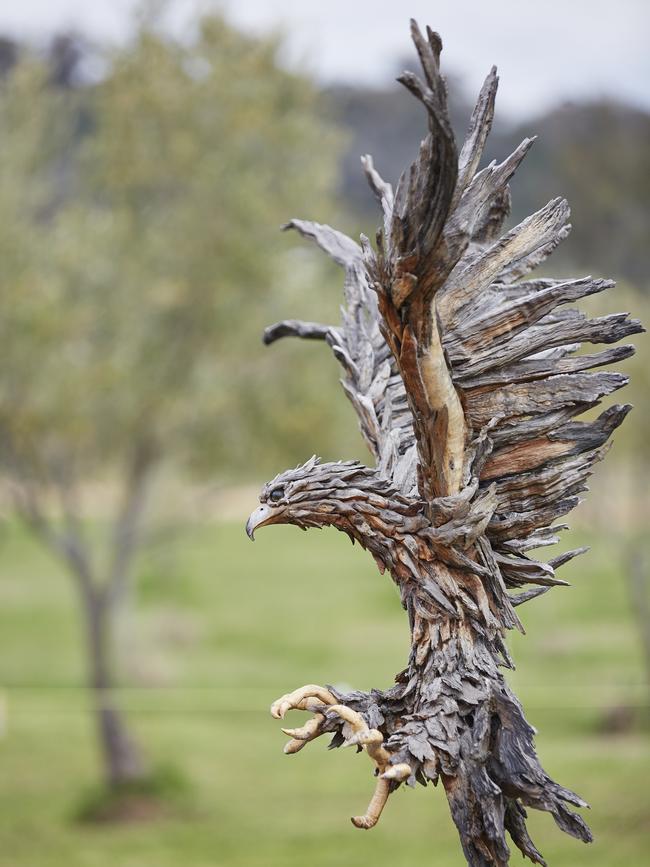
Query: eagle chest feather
431, 591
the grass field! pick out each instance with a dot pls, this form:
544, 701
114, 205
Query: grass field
223, 627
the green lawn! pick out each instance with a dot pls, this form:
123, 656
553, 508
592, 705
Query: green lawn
222, 628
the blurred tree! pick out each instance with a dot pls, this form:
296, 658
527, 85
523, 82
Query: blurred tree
138, 222
64, 56
8, 54
596, 155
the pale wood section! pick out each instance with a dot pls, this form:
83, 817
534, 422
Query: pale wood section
443, 401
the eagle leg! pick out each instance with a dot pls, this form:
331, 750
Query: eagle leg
321, 701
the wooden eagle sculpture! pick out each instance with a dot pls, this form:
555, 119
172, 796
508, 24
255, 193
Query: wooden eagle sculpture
467, 379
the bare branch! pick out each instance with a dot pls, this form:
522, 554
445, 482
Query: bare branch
68, 545
127, 526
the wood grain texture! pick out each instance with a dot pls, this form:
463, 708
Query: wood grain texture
467, 377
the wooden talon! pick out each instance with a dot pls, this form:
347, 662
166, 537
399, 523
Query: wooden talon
376, 805
313, 697
399, 772
293, 746
310, 729
371, 739
300, 699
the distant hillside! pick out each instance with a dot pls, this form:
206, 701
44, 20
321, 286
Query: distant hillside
598, 156
595, 154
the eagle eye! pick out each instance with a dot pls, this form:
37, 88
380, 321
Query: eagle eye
276, 495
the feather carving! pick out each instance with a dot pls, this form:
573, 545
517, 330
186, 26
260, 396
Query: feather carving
467, 379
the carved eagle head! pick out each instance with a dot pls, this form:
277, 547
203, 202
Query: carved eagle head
316, 494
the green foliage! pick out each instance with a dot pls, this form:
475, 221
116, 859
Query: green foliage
138, 233
311, 607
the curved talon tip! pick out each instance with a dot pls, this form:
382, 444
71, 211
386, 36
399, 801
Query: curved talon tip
363, 822
292, 733
279, 708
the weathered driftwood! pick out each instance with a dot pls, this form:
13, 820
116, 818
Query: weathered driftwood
467, 380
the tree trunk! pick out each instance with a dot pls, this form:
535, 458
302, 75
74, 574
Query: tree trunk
123, 762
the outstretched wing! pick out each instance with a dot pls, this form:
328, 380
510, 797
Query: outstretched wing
490, 360
370, 376
467, 376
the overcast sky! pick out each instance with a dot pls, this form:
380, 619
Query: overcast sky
547, 51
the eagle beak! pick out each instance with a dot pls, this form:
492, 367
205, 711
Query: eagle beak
259, 518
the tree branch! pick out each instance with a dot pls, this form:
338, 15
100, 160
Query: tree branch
69, 545
126, 529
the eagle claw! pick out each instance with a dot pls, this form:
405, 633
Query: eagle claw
320, 701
